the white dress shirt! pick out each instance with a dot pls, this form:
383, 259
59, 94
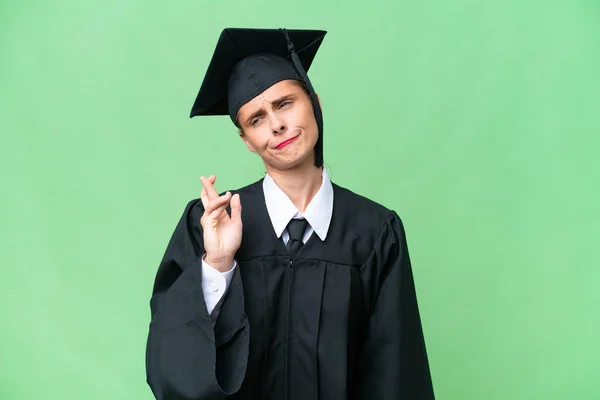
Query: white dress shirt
281, 210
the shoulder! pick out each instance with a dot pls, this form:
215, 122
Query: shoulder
374, 221
354, 199
364, 226
361, 206
251, 189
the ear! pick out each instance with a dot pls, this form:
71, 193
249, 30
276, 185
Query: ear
245, 139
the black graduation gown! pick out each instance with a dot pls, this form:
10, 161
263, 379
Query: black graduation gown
340, 321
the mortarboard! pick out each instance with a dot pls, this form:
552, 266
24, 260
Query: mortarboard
246, 62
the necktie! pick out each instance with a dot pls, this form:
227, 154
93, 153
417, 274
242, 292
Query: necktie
295, 228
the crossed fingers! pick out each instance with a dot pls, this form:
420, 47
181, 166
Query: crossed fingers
213, 204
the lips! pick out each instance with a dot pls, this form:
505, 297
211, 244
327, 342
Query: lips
286, 142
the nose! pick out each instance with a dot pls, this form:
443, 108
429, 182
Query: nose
278, 126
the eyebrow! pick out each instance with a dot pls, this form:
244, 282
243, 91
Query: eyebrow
275, 103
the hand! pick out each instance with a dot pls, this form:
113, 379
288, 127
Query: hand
222, 233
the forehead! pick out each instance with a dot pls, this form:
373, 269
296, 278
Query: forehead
274, 92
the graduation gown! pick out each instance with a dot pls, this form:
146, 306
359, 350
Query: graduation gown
339, 321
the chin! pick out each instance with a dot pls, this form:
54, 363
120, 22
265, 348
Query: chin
293, 162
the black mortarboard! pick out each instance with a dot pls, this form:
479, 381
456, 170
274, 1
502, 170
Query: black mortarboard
246, 62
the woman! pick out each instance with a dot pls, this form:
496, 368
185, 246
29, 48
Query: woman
305, 294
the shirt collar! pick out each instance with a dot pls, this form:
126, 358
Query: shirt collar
281, 209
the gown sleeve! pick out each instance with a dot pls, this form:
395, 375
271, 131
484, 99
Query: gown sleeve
190, 355
394, 359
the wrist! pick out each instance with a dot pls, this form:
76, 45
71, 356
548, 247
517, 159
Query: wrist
222, 264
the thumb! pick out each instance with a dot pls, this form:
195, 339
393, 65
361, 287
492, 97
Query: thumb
236, 208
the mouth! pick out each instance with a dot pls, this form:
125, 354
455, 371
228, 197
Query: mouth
286, 142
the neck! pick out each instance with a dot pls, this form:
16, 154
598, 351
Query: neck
299, 185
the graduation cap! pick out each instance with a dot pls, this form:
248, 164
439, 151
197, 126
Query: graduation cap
246, 62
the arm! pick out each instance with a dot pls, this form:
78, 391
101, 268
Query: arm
188, 355
394, 359
214, 286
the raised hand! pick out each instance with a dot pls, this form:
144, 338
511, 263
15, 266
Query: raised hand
222, 232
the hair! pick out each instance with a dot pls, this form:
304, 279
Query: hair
302, 84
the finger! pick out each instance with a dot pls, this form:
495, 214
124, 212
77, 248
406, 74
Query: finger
236, 208
203, 196
216, 203
209, 188
217, 211
212, 179
205, 182
210, 215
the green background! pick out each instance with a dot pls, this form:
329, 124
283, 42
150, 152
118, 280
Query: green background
476, 121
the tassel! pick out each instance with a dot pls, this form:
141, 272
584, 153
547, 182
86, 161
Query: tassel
313, 98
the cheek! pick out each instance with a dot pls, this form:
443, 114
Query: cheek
259, 137
309, 116
301, 116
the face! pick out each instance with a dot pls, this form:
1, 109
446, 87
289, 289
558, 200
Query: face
279, 125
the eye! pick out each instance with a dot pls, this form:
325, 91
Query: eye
285, 103
255, 121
